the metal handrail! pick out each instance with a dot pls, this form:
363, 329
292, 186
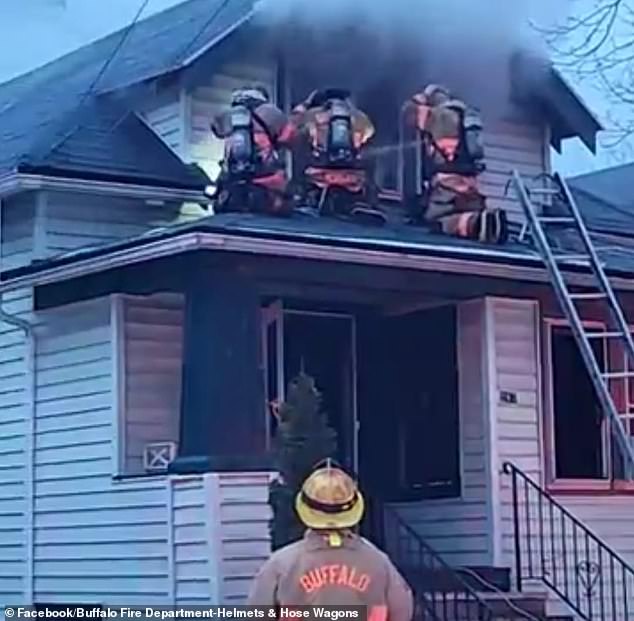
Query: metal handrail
554, 547
421, 565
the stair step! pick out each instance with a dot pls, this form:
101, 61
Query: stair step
507, 606
484, 579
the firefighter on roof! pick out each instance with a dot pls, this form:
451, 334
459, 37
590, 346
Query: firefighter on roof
334, 178
452, 158
331, 565
253, 172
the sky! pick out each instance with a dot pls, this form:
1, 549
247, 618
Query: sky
37, 31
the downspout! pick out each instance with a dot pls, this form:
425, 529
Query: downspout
29, 449
29, 437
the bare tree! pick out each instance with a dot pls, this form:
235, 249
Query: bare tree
596, 44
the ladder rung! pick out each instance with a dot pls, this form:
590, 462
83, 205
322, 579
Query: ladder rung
571, 257
588, 296
618, 375
545, 191
603, 335
556, 219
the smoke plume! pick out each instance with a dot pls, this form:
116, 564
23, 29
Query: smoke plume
465, 44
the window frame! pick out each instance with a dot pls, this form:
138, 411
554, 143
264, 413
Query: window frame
609, 484
553, 482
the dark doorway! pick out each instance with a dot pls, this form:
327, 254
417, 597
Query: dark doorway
408, 406
322, 346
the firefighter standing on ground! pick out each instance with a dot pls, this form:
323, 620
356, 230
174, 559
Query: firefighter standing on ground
452, 160
253, 172
332, 565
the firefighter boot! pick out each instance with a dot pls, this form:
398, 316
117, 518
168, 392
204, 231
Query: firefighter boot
492, 227
364, 209
364, 213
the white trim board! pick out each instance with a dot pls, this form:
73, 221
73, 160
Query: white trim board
187, 242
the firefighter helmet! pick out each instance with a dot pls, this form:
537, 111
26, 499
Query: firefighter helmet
435, 92
329, 499
254, 95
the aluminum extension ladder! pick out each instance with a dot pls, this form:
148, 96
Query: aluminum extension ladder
603, 292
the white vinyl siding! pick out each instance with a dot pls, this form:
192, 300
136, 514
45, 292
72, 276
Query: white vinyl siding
164, 114
207, 101
96, 539
17, 222
519, 439
245, 542
150, 343
75, 220
16, 249
509, 146
15, 395
518, 434
461, 529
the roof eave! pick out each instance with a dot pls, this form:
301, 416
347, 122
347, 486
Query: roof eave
538, 84
424, 257
15, 182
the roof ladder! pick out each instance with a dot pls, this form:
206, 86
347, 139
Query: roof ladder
537, 223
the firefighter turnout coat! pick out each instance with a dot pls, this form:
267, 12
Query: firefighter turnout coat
311, 572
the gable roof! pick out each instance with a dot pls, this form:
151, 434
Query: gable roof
536, 82
42, 123
606, 199
41, 126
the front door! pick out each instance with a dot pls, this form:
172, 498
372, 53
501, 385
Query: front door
321, 345
408, 402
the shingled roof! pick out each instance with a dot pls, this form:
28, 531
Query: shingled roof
606, 199
43, 126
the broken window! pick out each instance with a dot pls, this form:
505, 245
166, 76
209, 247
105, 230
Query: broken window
578, 427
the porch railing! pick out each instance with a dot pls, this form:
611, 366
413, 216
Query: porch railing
555, 548
441, 594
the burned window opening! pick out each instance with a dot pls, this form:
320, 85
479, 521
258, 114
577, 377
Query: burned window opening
578, 424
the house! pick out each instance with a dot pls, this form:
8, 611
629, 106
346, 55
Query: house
143, 338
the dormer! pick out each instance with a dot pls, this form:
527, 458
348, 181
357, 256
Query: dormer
535, 108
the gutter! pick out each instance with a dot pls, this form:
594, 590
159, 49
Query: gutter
13, 183
460, 260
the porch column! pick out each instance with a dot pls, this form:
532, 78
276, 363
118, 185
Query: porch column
222, 418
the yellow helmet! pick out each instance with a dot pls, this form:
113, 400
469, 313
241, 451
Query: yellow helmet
329, 499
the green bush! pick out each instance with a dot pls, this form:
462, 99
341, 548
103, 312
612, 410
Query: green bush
303, 438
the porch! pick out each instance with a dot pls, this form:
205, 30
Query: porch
204, 342
402, 358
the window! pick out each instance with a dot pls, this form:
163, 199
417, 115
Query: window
382, 104
581, 451
578, 428
149, 333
